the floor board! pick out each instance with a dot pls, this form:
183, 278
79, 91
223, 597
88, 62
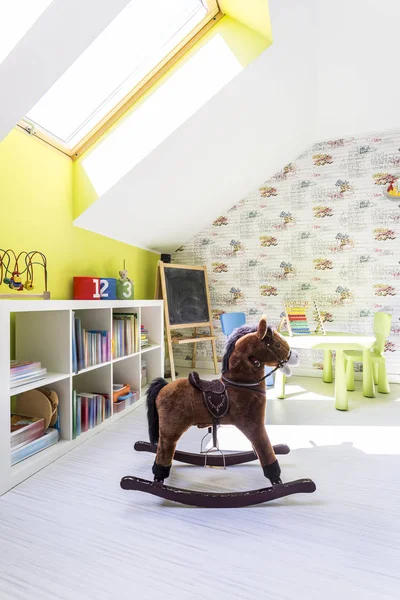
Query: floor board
71, 533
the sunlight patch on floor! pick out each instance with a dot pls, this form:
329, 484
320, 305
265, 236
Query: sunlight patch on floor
369, 439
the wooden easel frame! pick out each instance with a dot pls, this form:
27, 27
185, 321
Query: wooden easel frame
307, 304
161, 293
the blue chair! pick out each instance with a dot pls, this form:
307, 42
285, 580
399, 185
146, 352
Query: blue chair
229, 322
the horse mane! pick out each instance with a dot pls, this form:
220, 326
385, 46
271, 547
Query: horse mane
232, 339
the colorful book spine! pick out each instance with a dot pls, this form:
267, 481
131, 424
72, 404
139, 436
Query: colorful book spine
78, 427
74, 414
84, 414
91, 410
125, 337
89, 347
74, 346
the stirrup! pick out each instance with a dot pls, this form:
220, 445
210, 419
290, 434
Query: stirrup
215, 449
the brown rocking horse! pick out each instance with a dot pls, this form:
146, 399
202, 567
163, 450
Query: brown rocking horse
239, 399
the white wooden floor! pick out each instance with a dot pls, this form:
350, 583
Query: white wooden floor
71, 533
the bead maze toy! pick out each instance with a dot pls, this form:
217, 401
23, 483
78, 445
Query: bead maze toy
296, 318
13, 266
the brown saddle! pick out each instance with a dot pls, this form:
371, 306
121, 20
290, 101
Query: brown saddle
215, 395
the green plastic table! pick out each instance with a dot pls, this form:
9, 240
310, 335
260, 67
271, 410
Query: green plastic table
338, 342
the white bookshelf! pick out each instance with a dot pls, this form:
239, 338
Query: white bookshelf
43, 333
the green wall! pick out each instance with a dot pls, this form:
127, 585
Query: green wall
36, 198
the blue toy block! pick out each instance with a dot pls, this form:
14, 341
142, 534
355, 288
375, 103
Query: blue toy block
108, 288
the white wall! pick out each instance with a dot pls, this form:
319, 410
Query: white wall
49, 47
358, 83
245, 133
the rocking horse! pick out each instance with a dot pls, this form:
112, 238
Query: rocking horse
237, 398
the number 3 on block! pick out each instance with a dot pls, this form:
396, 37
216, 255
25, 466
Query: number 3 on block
124, 290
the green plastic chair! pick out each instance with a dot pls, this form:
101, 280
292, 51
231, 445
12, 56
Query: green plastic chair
382, 322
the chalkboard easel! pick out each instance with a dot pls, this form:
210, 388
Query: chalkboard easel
184, 290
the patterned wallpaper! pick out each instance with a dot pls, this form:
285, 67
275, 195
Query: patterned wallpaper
320, 228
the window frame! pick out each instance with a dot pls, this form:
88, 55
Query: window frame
212, 17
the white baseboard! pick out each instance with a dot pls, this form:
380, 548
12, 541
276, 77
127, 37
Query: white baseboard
297, 371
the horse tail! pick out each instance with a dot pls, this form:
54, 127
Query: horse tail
152, 414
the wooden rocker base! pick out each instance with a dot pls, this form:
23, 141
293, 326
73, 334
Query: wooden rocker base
218, 500
217, 460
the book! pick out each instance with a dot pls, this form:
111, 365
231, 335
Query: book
89, 347
50, 437
28, 378
78, 426
19, 366
24, 430
125, 340
91, 410
25, 372
144, 340
74, 347
74, 414
84, 413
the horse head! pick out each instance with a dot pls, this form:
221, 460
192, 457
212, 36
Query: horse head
251, 348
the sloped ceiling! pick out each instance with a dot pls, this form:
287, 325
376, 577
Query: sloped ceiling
49, 47
251, 128
331, 71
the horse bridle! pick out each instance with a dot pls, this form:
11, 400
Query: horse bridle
270, 342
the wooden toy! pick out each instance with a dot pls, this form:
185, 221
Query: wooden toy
13, 266
296, 318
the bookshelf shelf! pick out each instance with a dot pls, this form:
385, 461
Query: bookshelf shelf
150, 347
48, 380
92, 368
43, 334
125, 357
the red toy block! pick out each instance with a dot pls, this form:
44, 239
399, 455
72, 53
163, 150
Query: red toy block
86, 288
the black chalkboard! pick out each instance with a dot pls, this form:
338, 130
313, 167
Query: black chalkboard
186, 296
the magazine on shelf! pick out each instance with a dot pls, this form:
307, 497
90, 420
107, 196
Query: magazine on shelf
50, 437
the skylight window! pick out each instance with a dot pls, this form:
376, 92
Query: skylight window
128, 51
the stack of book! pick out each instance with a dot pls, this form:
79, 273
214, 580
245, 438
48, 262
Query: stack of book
28, 437
89, 347
22, 372
144, 340
89, 410
125, 334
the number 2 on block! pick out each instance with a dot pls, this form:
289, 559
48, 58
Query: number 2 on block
103, 288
